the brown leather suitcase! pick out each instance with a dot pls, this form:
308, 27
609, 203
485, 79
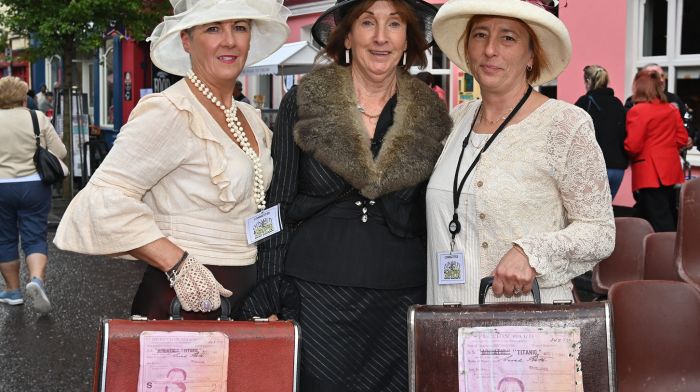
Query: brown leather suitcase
263, 356
433, 339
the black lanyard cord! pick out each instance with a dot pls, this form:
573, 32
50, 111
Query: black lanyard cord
454, 227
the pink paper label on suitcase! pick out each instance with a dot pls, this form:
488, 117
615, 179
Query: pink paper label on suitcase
183, 361
519, 359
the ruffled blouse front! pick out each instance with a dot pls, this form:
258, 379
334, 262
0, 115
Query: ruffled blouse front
173, 172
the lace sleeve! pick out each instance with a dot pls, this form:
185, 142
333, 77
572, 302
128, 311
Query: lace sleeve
590, 233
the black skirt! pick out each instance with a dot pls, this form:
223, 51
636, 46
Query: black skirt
354, 339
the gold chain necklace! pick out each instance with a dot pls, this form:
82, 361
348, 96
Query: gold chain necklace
482, 116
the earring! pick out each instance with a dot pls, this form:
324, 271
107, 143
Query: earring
404, 58
528, 68
347, 56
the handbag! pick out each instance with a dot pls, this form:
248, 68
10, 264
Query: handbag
50, 168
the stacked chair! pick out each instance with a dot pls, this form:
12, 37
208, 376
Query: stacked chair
657, 336
653, 283
627, 259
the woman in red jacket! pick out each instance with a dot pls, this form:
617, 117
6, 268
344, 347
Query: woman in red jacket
655, 134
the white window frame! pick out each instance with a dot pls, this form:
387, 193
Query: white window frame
673, 57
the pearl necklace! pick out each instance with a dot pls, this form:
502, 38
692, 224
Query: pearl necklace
236, 129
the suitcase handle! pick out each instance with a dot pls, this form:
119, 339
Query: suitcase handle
487, 282
176, 309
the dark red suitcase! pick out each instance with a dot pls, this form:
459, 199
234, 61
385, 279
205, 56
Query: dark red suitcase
263, 356
433, 339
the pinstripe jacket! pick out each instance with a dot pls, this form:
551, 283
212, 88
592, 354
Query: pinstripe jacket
321, 151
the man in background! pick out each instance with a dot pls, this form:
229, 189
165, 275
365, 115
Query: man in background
238, 93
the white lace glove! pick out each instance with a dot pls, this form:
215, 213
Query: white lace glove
196, 287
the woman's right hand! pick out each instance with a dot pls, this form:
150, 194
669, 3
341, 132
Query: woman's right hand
197, 289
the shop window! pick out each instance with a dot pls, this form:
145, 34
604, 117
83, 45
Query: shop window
107, 84
688, 88
690, 30
655, 20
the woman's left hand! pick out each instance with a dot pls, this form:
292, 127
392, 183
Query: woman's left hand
513, 274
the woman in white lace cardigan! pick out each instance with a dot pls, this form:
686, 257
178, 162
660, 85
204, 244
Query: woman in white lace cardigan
536, 201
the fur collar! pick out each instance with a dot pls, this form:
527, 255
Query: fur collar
330, 129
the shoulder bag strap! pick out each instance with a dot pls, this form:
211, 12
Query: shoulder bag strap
35, 123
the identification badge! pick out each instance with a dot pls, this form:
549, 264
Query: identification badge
263, 224
451, 266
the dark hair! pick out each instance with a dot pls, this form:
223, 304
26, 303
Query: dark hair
647, 87
415, 39
539, 61
426, 77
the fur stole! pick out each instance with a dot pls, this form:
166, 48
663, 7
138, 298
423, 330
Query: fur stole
330, 129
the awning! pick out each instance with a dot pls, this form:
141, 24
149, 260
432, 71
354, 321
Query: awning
292, 58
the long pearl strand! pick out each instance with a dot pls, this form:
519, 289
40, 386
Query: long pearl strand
237, 131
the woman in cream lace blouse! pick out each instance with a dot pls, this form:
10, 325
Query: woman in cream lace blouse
520, 190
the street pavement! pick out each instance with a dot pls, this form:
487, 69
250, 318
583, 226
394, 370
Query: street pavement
56, 352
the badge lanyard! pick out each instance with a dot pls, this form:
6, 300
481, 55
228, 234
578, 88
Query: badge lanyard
455, 227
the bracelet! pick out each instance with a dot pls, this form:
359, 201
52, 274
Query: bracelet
172, 274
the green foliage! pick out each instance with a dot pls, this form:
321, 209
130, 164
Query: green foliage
79, 25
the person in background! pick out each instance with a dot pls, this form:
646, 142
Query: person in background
608, 116
46, 104
655, 135
189, 166
31, 100
520, 190
355, 143
25, 200
429, 79
41, 97
238, 93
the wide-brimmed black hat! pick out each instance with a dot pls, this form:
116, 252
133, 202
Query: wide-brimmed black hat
326, 23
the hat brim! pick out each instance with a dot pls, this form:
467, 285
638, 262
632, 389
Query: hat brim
452, 19
269, 31
326, 23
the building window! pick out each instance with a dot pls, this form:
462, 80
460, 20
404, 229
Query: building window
655, 17
690, 30
107, 84
52, 68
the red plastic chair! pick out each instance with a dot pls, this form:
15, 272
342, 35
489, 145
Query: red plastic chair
657, 336
660, 257
627, 259
688, 236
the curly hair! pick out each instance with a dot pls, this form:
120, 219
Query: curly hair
13, 92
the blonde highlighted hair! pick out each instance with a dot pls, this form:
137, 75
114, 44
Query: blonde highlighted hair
595, 76
13, 92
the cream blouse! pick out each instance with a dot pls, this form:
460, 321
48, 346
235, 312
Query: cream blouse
173, 172
542, 184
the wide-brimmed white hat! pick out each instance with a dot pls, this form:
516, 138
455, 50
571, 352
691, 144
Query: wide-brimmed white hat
452, 18
269, 30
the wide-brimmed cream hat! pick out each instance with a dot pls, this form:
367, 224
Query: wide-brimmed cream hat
452, 18
269, 30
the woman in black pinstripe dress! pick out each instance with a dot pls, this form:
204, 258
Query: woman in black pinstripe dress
354, 145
